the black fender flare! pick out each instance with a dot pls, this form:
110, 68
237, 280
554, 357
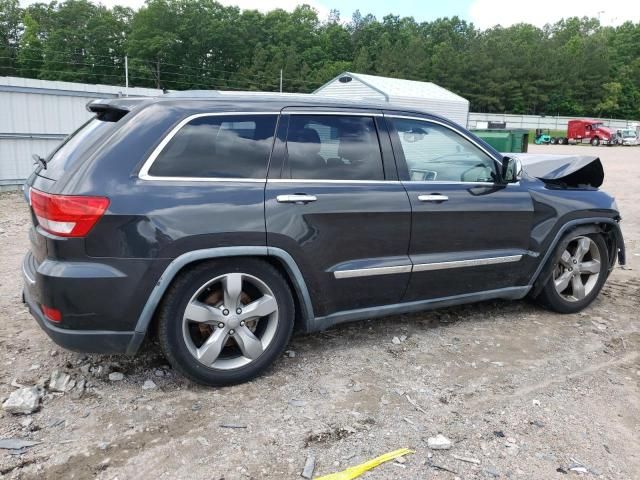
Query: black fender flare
286, 260
579, 226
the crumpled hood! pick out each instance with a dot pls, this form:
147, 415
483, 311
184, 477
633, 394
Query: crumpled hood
563, 170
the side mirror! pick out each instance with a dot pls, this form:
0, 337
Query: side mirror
511, 169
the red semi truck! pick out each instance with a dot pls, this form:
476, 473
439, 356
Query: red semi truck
587, 131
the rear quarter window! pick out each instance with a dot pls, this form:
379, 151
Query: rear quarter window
218, 146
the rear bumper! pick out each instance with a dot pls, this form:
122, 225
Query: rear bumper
80, 340
87, 341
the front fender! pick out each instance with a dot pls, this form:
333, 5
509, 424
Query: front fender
604, 225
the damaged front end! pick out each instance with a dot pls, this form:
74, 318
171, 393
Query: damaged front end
564, 171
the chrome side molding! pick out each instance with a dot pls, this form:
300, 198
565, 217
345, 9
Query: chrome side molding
425, 267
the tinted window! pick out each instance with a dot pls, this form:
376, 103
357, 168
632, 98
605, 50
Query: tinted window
231, 146
75, 147
437, 153
333, 148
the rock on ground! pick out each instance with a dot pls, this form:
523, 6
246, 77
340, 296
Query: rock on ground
23, 401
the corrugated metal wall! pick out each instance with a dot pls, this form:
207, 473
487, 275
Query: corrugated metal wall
537, 121
454, 111
35, 115
355, 89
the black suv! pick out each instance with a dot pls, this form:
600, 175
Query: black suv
221, 222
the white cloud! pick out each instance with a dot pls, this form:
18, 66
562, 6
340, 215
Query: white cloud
487, 13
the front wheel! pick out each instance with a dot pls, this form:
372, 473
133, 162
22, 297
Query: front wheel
581, 266
224, 322
595, 141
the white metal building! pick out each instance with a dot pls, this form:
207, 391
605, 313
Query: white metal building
424, 96
35, 115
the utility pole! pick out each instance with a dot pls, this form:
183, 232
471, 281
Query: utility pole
126, 76
158, 73
280, 80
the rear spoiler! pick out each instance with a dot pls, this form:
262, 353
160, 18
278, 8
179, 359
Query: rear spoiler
112, 110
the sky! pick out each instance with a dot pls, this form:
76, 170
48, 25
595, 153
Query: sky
483, 13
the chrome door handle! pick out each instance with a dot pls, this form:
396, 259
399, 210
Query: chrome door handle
297, 198
434, 197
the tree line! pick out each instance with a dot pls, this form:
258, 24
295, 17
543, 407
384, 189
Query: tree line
573, 67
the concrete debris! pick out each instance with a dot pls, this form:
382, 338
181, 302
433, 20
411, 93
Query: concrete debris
439, 442
536, 403
290, 353
16, 384
16, 443
149, 385
203, 441
159, 372
116, 376
23, 401
467, 459
54, 353
396, 341
27, 422
309, 467
357, 388
297, 403
60, 382
78, 392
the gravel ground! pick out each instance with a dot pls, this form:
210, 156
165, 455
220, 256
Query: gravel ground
521, 392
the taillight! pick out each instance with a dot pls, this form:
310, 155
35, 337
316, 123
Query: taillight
67, 215
52, 314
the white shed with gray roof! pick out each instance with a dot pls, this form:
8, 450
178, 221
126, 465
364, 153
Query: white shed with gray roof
423, 96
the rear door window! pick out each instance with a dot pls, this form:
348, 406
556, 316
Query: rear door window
218, 146
333, 147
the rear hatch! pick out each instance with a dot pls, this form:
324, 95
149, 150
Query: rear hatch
49, 179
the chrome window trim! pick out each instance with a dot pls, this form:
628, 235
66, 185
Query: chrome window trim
425, 267
311, 180
329, 112
365, 272
462, 134
475, 262
143, 174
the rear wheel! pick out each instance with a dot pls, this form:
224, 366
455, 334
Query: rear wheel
225, 322
595, 141
580, 270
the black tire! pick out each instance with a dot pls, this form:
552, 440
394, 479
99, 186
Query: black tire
595, 141
178, 296
552, 300
553, 141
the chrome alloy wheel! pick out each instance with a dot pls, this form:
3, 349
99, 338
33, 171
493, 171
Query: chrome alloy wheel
576, 274
230, 321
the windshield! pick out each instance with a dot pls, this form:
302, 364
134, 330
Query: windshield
629, 134
596, 125
74, 147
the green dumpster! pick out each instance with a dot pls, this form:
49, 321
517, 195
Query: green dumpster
515, 140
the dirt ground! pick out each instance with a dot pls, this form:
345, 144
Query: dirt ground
521, 392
